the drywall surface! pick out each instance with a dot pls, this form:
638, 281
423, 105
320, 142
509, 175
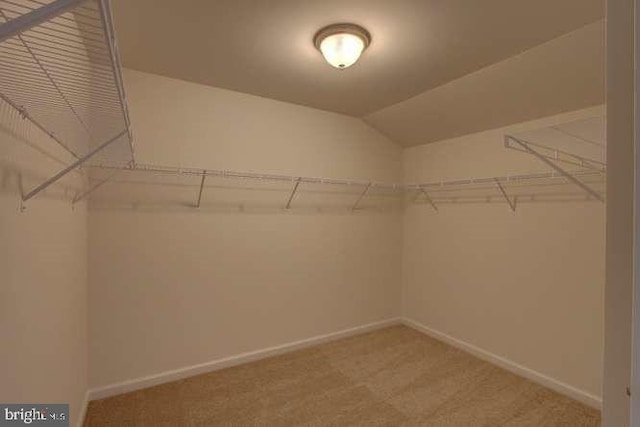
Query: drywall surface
43, 274
620, 211
191, 125
526, 286
172, 286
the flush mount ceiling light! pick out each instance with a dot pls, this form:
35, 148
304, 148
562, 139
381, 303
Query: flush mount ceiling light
342, 44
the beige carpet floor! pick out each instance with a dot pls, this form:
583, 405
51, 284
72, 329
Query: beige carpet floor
395, 376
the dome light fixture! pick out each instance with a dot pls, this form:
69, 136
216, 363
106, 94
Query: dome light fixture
342, 44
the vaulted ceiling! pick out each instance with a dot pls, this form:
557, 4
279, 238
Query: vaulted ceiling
564, 74
423, 78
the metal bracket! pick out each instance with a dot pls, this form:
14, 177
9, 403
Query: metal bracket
362, 195
85, 194
22, 112
558, 155
512, 204
38, 16
71, 167
555, 167
293, 192
428, 197
204, 176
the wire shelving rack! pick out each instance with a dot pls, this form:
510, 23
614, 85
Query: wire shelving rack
60, 69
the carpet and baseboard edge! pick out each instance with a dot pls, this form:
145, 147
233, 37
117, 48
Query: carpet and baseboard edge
214, 365
177, 374
522, 371
83, 409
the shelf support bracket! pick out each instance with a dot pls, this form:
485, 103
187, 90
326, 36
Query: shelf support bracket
42, 14
512, 204
293, 193
204, 176
71, 167
85, 194
553, 166
362, 196
429, 199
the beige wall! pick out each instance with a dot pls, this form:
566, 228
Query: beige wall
43, 289
525, 286
619, 255
172, 286
186, 124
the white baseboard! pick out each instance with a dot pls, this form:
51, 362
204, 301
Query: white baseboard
214, 365
177, 374
537, 377
83, 410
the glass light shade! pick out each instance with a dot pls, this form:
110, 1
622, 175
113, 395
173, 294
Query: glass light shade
342, 50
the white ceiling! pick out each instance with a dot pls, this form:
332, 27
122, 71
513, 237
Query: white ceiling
265, 48
564, 74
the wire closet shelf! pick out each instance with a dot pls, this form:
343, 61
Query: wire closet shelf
512, 189
59, 68
573, 154
353, 193
553, 186
573, 170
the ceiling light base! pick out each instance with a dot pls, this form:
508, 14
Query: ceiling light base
342, 44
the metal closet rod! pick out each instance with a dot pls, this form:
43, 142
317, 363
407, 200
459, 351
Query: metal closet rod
422, 189
249, 175
506, 179
450, 184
